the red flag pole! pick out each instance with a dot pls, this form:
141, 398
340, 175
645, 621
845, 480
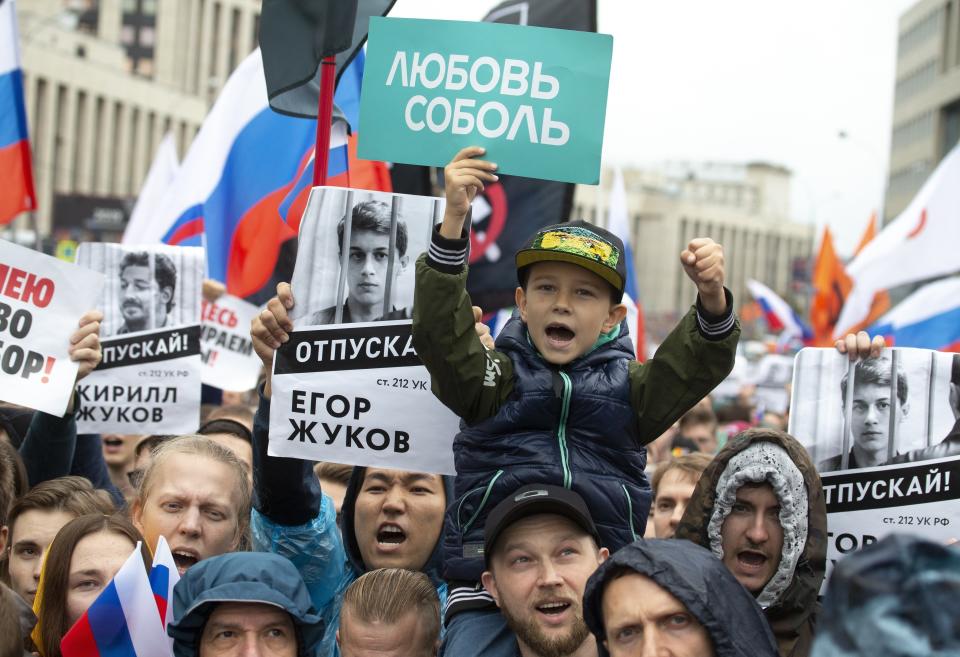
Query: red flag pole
324, 120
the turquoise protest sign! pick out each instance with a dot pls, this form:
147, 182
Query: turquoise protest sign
534, 97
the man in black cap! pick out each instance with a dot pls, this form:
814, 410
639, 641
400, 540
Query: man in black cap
540, 546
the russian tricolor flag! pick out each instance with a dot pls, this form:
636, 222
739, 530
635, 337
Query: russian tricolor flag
344, 168
227, 192
123, 620
929, 318
778, 313
16, 191
163, 577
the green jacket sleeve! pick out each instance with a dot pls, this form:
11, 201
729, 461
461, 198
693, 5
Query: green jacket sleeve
686, 367
469, 380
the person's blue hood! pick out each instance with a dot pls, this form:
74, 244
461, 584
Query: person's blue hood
898, 597
732, 618
434, 567
256, 577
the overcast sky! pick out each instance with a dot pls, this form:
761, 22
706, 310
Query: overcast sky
744, 80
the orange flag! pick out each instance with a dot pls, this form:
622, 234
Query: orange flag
832, 285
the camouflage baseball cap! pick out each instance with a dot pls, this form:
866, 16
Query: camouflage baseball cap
580, 243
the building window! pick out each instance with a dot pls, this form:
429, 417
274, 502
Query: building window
916, 81
913, 130
138, 35
951, 128
922, 31
214, 47
234, 52
82, 139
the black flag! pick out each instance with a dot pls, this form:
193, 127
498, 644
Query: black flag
295, 35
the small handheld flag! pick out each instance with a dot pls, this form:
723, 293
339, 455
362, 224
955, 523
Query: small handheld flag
123, 620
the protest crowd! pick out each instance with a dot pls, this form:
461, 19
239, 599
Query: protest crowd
532, 487
660, 530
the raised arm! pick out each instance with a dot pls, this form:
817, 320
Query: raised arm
697, 355
286, 490
468, 377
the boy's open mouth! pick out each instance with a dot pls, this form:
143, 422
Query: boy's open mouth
559, 335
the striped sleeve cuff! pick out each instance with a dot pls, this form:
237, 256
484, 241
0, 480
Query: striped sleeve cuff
466, 598
448, 255
716, 327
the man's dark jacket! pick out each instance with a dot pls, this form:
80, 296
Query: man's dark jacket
690, 573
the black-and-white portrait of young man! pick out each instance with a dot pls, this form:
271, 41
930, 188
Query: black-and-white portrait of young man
355, 255
874, 407
145, 298
368, 266
876, 412
146, 288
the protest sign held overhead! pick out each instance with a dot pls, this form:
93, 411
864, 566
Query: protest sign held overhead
507, 212
348, 387
41, 301
229, 362
535, 98
150, 336
885, 434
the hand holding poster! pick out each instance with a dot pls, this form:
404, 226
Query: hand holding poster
41, 299
885, 434
229, 362
355, 392
150, 372
534, 97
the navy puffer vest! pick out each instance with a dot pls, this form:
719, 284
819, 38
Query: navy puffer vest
569, 426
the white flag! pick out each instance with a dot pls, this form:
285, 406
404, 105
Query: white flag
618, 223
917, 245
162, 172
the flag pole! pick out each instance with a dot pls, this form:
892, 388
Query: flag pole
324, 120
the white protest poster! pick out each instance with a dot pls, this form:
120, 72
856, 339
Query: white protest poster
349, 387
885, 435
41, 301
149, 379
229, 362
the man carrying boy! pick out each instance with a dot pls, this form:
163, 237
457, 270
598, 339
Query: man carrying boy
560, 401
